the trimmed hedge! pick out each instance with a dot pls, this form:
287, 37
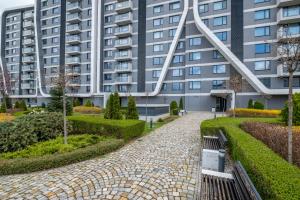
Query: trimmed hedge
245, 112
87, 110
26, 165
274, 178
122, 129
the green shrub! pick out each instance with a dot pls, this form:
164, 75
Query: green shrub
250, 104
160, 120
88, 103
122, 129
3, 107
296, 111
109, 107
26, 165
258, 105
274, 178
43, 105
181, 106
174, 108
17, 105
112, 110
8, 102
56, 102
76, 102
131, 112
23, 105
30, 129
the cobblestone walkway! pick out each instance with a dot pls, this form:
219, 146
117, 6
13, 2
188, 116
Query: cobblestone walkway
162, 165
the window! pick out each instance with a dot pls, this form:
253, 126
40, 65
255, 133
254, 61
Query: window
194, 85
108, 19
262, 14
55, 20
54, 49
292, 29
177, 86
107, 88
261, 1
109, 7
174, 19
194, 56
55, 11
195, 71
108, 53
266, 82
158, 35
177, 72
44, 12
262, 31
55, 30
195, 41
157, 9
157, 60
296, 82
158, 47
291, 11
108, 42
220, 5
54, 60
172, 32
222, 36
218, 84
203, 8
219, 21
174, 6
107, 77
180, 45
206, 22
108, 30
55, 1
158, 22
55, 40
156, 73
262, 48
177, 59
108, 65
262, 65
217, 54
219, 69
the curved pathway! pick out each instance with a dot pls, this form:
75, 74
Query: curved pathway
162, 165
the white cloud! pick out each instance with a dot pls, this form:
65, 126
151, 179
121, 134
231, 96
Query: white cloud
4, 4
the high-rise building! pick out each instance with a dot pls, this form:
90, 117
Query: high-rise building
155, 50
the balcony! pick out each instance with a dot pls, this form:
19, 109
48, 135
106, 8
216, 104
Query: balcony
73, 61
73, 50
282, 71
74, 28
123, 19
27, 86
284, 3
28, 33
28, 68
73, 39
28, 15
74, 18
74, 7
123, 55
123, 80
123, 43
123, 67
74, 83
73, 72
28, 42
123, 31
27, 77
28, 59
284, 34
288, 16
124, 6
28, 51
28, 24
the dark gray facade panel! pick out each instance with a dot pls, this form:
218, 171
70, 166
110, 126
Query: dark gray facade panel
141, 45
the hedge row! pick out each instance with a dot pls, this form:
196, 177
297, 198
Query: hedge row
245, 112
87, 110
274, 178
26, 165
122, 129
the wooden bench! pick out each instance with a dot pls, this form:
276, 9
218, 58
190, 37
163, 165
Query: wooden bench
221, 186
215, 142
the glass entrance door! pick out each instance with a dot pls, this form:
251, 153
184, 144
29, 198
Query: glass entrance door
221, 104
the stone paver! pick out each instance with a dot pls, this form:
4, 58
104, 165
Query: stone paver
162, 165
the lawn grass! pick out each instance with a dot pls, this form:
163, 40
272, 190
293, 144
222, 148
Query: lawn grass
157, 125
274, 177
55, 146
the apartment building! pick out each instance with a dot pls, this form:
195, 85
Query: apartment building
155, 50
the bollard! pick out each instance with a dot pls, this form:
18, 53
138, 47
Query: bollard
221, 160
151, 123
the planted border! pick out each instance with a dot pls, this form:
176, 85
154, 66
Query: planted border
26, 165
274, 178
122, 129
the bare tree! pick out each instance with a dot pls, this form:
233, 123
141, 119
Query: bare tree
63, 82
5, 86
235, 84
289, 53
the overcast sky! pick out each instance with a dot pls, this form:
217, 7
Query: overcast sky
13, 3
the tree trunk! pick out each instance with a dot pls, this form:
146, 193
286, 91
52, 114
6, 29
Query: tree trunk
65, 117
234, 103
290, 119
